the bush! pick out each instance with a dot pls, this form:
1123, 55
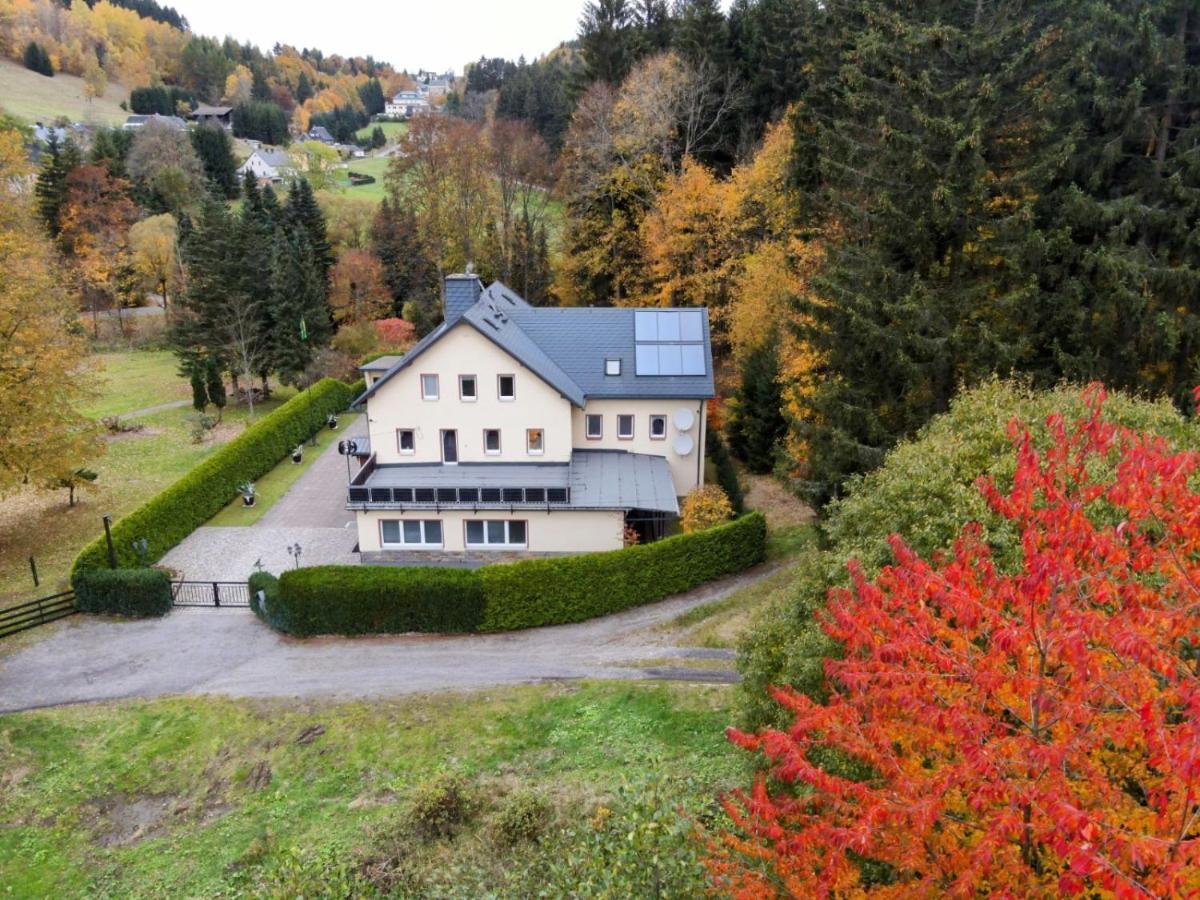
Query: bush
375, 600
122, 592
502, 597
439, 806
171, 515
523, 819
925, 490
705, 507
536, 592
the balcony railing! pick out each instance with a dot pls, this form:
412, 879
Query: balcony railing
458, 496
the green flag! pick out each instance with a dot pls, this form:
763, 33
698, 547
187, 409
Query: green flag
303, 330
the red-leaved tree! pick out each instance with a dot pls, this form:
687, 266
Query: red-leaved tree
1034, 732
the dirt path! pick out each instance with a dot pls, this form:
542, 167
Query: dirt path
157, 408
229, 652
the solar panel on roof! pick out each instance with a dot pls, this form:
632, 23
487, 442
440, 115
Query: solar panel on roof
669, 342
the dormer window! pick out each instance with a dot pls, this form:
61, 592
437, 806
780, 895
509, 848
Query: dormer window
506, 387
612, 367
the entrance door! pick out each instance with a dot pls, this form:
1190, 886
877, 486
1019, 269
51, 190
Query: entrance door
449, 446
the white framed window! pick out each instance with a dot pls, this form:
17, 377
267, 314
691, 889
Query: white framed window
612, 367
658, 428
506, 387
625, 427
468, 388
535, 441
496, 533
491, 441
415, 534
406, 441
429, 387
593, 426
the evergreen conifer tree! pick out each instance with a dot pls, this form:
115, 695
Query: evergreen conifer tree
757, 425
51, 187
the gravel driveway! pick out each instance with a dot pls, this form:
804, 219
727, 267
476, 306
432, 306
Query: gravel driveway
312, 513
229, 652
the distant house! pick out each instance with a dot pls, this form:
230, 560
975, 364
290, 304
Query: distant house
435, 84
405, 105
135, 122
267, 164
214, 115
43, 133
321, 133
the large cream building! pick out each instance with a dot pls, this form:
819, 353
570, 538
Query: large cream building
517, 430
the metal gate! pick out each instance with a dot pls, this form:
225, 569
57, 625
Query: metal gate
210, 593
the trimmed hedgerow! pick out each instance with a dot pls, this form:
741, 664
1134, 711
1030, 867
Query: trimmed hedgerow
727, 475
122, 592
375, 600
174, 513
536, 592
503, 597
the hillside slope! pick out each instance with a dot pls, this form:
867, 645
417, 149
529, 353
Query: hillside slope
37, 98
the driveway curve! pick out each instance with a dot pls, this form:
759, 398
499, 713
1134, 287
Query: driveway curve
230, 652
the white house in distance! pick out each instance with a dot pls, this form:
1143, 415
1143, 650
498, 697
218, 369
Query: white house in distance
267, 164
523, 431
405, 105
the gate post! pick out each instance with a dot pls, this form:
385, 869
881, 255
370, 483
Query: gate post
216, 595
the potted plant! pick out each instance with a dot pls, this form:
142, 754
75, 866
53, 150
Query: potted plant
297, 453
331, 421
248, 492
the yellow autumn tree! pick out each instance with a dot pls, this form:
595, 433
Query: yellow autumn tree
42, 436
686, 242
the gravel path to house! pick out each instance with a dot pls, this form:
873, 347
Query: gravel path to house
318, 498
229, 652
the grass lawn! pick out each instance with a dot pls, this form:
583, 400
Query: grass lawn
134, 467
36, 98
393, 131
373, 165
132, 381
275, 483
214, 797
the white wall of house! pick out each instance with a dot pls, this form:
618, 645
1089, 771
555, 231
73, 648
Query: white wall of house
686, 471
258, 166
562, 531
463, 351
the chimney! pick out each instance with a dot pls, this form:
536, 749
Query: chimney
460, 293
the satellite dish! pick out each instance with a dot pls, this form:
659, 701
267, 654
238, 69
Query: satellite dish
684, 419
684, 444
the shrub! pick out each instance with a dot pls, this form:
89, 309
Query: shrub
705, 507
439, 806
122, 592
1030, 728
523, 818
503, 597
926, 491
395, 334
174, 513
376, 600
536, 592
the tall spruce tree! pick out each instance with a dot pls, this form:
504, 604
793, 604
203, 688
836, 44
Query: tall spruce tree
927, 132
1122, 272
51, 187
607, 39
301, 320
215, 149
303, 211
757, 425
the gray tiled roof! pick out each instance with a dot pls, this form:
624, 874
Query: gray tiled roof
567, 348
382, 364
598, 479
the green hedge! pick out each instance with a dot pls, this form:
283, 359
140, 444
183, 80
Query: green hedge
122, 592
374, 600
174, 513
537, 592
503, 597
727, 475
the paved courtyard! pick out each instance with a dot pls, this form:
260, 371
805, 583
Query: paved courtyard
312, 513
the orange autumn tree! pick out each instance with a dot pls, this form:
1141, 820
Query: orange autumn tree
1034, 732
